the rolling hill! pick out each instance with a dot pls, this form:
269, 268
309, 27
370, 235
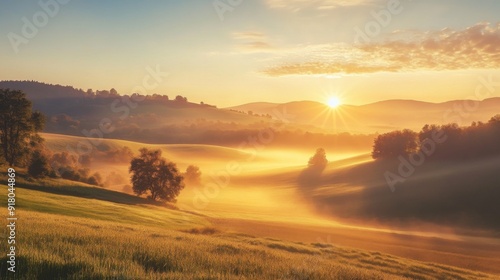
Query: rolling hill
160, 119
70, 111
382, 116
351, 188
68, 234
461, 194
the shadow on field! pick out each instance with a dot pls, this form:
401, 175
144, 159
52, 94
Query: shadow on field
309, 179
27, 269
450, 193
70, 188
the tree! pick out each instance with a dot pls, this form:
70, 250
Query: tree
18, 125
62, 162
318, 160
89, 92
193, 175
495, 120
394, 144
39, 165
154, 175
95, 179
181, 99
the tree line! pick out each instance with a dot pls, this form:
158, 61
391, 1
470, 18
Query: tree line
459, 143
44, 90
21, 146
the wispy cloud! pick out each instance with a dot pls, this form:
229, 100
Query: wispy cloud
299, 5
252, 41
477, 47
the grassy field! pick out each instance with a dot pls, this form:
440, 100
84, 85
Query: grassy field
179, 153
257, 227
72, 231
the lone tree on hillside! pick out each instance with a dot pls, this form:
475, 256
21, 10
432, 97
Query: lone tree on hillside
154, 175
18, 125
193, 175
394, 144
38, 166
319, 160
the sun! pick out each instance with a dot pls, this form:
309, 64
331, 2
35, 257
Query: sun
334, 102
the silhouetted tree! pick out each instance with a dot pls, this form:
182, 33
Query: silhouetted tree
453, 142
495, 120
70, 174
428, 131
453, 148
193, 175
318, 160
18, 125
153, 174
89, 93
38, 166
92, 181
95, 179
394, 144
179, 98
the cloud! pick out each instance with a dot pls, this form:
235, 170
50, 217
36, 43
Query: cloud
477, 47
299, 5
252, 41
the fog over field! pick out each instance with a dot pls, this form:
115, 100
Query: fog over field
264, 139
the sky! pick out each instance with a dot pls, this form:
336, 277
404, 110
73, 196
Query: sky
230, 52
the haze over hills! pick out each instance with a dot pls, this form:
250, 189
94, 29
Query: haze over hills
129, 148
382, 116
352, 188
66, 105
275, 185
170, 120
160, 120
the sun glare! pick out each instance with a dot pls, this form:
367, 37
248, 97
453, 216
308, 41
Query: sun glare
334, 102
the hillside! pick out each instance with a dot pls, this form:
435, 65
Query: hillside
383, 116
83, 108
162, 119
351, 188
167, 120
181, 153
457, 194
68, 235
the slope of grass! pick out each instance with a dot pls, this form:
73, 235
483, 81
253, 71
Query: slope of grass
175, 152
62, 247
461, 194
58, 196
73, 231
105, 210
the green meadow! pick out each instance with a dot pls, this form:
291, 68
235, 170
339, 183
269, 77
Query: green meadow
68, 230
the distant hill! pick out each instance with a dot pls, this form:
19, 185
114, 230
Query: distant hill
165, 119
173, 119
70, 110
382, 116
36, 90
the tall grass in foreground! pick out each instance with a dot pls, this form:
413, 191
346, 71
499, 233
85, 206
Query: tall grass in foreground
59, 247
